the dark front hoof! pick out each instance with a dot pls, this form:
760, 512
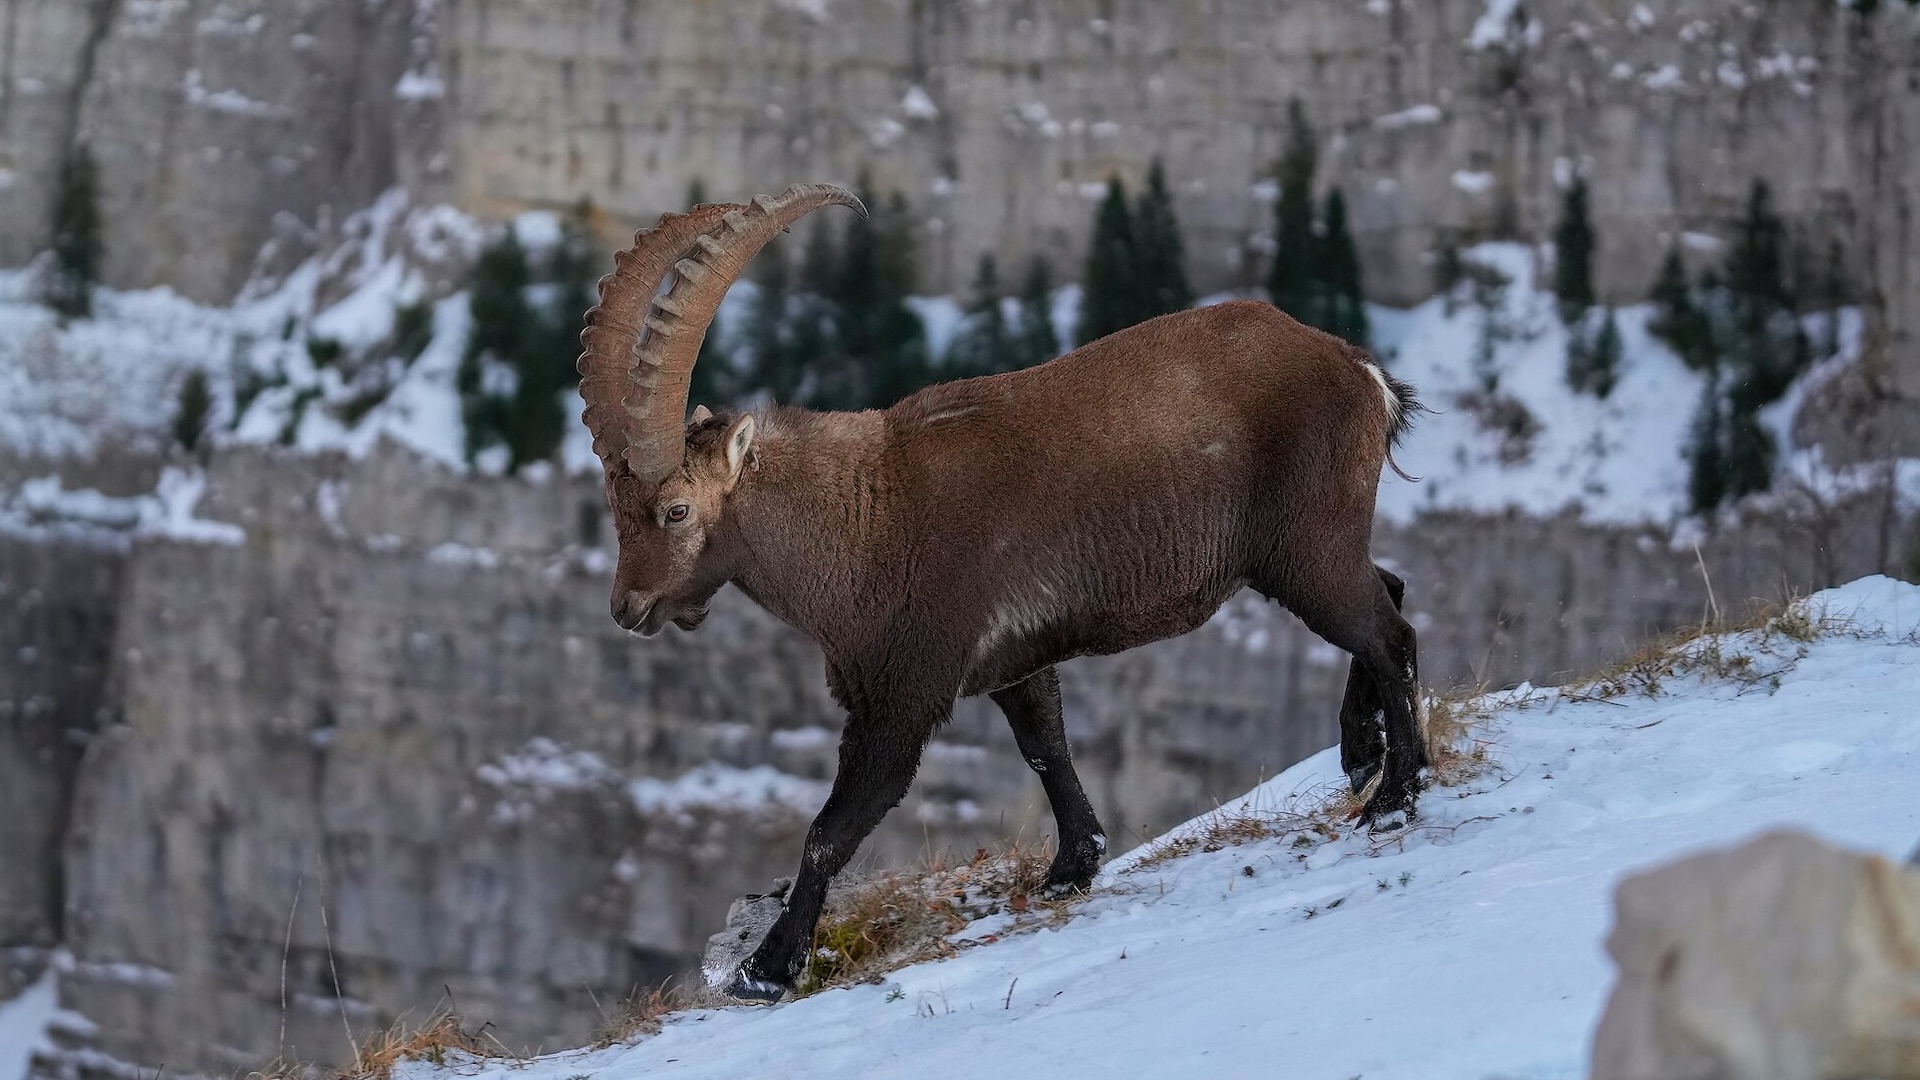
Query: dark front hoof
1074, 867
1061, 890
750, 988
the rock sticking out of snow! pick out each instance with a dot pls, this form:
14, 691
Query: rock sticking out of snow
1786, 958
748, 920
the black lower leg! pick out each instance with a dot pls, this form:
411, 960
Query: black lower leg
1033, 709
1393, 660
879, 754
1363, 711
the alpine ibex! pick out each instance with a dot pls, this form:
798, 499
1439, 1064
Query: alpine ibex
979, 532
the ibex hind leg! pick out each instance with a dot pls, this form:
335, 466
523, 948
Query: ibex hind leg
1355, 611
1033, 709
1363, 709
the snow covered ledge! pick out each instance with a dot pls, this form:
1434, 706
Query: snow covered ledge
1466, 946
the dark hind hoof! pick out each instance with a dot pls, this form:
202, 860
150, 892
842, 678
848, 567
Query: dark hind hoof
1392, 805
758, 991
1360, 777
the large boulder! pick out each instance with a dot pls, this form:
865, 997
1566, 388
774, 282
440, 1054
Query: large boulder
1783, 959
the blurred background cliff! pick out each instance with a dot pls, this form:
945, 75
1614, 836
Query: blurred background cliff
310, 710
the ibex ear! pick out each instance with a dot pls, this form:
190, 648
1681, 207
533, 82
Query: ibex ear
739, 445
700, 413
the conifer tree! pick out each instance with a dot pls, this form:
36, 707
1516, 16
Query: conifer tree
190, 418
769, 337
1341, 308
877, 352
1706, 456
1159, 260
503, 321
1834, 294
77, 246
571, 270
1573, 246
1291, 281
1678, 318
983, 344
1036, 342
1110, 287
1593, 354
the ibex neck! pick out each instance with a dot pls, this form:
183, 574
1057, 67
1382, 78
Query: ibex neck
806, 510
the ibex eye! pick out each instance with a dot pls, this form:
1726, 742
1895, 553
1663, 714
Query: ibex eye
678, 512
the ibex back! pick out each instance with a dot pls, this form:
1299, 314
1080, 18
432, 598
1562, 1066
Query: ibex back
977, 533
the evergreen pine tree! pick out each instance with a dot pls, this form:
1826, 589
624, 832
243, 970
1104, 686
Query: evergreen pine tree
1573, 245
983, 345
900, 361
1291, 281
876, 350
571, 270
1109, 288
1036, 342
1593, 354
1159, 261
769, 336
77, 247
1341, 309
1834, 294
190, 419
503, 320
1706, 457
1678, 318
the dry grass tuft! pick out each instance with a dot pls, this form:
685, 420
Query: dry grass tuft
443, 1040
643, 1011
1751, 652
888, 921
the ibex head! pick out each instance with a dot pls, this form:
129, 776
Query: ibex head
668, 481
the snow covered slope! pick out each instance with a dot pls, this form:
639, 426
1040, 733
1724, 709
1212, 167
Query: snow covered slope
1466, 947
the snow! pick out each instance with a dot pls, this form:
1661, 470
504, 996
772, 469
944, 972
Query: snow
169, 513
1467, 946
918, 105
1472, 182
1490, 28
419, 86
713, 786
23, 1025
1418, 114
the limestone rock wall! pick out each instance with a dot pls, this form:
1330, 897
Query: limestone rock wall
223, 126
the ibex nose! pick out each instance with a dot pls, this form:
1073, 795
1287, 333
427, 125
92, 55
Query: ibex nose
629, 608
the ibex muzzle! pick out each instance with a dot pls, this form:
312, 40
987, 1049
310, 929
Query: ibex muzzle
977, 533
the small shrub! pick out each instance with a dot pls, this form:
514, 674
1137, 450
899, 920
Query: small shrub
324, 351
412, 330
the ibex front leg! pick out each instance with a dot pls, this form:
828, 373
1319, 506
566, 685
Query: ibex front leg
879, 753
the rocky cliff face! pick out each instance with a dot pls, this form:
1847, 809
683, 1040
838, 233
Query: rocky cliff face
397, 700
222, 127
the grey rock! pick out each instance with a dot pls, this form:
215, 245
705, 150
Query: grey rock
748, 920
1785, 958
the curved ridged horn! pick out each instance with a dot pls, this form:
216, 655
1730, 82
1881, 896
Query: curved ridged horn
640, 342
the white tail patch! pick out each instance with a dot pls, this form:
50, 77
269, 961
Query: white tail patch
1386, 393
